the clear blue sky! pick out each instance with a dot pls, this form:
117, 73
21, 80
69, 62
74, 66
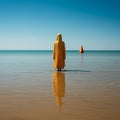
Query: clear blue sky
33, 24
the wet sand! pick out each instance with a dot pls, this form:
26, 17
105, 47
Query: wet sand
67, 95
88, 88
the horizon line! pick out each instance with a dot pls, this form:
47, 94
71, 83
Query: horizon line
52, 50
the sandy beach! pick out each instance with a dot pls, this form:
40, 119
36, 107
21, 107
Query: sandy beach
80, 39
34, 92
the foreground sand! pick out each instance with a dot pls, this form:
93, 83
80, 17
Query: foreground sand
70, 95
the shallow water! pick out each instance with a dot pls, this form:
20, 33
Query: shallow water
88, 88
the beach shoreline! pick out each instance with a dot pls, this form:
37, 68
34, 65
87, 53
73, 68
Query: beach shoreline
31, 89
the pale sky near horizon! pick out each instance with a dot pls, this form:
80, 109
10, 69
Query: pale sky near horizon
34, 24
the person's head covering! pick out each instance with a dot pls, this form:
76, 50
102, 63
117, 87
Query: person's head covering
59, 37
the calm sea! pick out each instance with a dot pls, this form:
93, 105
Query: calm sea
34, 60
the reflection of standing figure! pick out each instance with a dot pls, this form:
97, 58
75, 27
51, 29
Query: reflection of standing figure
59, 87
59, 53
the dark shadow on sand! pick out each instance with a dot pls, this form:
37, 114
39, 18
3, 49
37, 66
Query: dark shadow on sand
76, 71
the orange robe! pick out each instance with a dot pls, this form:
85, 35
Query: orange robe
59, 54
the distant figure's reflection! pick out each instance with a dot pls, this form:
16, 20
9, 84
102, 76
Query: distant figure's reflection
59, 87
81, 59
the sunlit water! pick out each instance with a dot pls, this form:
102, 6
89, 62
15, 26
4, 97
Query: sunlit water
87, 89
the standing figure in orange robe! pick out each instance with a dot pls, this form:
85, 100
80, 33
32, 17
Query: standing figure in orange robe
59, 53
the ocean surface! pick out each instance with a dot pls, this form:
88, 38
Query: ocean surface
42, 60
87, 89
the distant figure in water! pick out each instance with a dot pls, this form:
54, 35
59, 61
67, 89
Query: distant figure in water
81, 49
59, 53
